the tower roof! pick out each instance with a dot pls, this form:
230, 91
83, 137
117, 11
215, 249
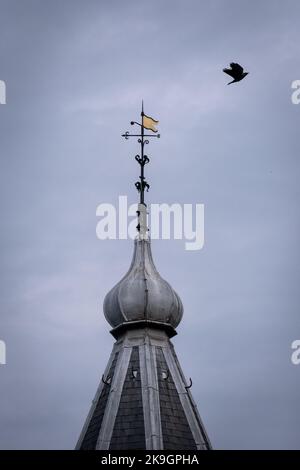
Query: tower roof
143, 400
143, 295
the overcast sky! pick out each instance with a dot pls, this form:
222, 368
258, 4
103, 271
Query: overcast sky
76, 72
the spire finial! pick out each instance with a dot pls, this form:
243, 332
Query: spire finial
150, 124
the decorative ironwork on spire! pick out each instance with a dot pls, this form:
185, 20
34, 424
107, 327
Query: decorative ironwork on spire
146, 123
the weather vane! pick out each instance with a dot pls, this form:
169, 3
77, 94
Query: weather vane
150, 124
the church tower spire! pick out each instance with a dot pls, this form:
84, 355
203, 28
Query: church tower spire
143, 400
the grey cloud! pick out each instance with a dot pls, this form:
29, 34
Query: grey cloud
76, 73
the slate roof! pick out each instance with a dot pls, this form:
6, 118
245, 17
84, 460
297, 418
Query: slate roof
129, 431
144, 401
90, 438
175, 429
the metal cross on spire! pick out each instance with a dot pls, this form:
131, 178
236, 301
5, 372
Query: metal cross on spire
142, 159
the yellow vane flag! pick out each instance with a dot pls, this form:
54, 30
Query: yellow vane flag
150, 123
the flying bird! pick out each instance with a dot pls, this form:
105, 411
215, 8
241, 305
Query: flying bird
236, 72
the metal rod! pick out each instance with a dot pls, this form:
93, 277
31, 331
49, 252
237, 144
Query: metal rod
140, 135
142, 157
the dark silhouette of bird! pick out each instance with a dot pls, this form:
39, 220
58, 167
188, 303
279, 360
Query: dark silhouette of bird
236, 72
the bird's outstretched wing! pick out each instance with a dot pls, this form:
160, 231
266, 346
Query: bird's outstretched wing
230, 72
237, 68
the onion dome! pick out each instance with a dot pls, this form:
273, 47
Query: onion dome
143, 296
